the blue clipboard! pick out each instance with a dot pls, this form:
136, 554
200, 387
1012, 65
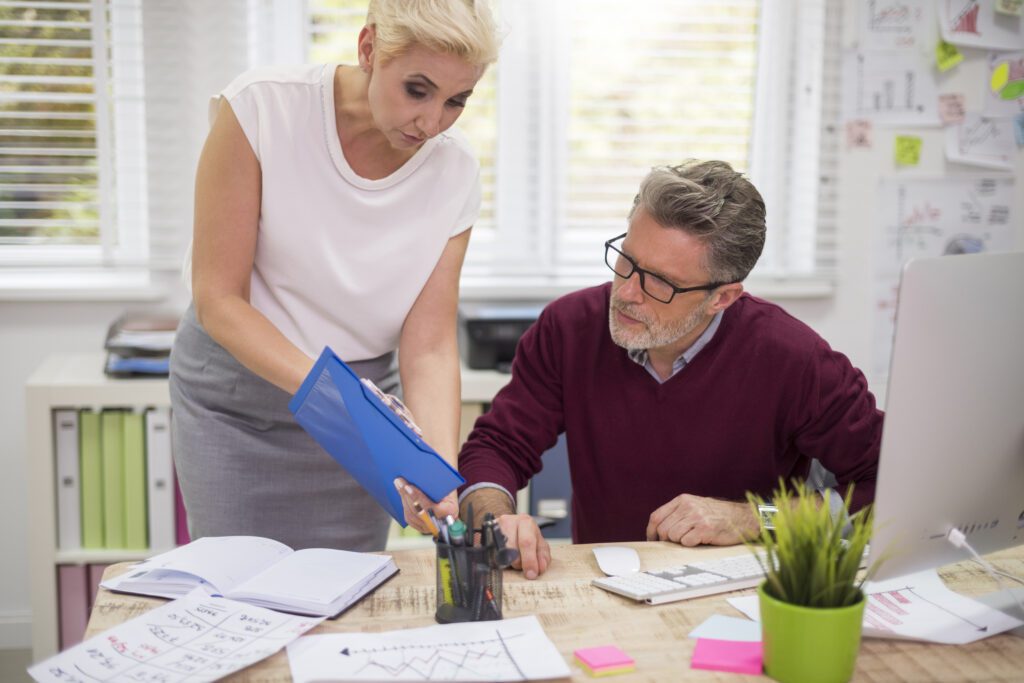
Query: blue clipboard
366, 438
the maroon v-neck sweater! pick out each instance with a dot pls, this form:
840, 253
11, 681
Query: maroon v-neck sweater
762, 399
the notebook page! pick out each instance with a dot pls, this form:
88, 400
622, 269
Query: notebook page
222, 561
315, 576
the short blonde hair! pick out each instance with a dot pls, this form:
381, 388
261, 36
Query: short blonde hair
463, 28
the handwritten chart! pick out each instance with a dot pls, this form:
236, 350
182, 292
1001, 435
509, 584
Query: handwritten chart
921, 218
896, 24
196, 638
889, 88
510, 650
920, 607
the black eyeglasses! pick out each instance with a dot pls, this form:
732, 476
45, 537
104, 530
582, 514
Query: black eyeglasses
653, 285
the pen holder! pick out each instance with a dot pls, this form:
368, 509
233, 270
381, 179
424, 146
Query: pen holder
468, 584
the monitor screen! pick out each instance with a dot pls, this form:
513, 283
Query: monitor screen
952, 453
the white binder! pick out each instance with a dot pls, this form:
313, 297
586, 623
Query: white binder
160, 479
69, 494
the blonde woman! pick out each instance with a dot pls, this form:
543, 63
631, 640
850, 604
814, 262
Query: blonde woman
333, 207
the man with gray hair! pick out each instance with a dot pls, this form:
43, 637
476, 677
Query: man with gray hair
677, 392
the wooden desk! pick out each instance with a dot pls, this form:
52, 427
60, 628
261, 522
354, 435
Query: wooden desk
575, 614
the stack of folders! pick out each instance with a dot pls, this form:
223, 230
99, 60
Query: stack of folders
115, 480
139, 345
262, 572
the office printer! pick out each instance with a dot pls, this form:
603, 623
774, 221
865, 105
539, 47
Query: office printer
489, 331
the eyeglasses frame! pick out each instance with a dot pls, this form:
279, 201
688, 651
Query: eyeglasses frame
643, 273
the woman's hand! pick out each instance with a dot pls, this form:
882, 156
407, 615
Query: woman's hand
420, 519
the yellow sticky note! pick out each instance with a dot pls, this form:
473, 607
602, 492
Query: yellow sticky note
908, 150
947, 56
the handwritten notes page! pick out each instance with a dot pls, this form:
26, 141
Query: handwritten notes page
509, 650
195, 638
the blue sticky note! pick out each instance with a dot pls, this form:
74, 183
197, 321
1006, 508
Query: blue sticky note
719, 627
1018, 129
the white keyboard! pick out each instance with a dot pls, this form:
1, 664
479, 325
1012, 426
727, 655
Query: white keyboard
687, 581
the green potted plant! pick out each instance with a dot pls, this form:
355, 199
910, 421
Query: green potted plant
811, 601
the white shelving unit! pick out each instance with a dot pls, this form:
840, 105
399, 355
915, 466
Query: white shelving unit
76, 380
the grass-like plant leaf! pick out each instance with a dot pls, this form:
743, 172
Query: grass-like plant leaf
807, 560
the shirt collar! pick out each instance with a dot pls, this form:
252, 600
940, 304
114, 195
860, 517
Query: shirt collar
641, 357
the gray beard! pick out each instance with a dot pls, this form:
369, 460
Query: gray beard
654, 335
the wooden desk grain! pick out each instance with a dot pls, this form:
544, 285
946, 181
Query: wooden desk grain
574, 614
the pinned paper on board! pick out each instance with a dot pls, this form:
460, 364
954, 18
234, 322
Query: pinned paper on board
908, 150
923, 218
981, 142
952, 108
858, 134
947, 56
890, 88
1005, 88
975, 23
896, 24
1011, 8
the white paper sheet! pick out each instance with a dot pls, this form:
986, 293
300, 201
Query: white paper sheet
509, 650
720, 627
897, 24
917, 607
975, 23
920, 218
981, 142
196, 638
894, 88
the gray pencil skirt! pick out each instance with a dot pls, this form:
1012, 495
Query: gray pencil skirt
247, 468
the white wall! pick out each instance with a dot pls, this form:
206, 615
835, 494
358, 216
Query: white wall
30, 331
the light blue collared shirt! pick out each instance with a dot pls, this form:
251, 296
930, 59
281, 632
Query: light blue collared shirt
642, 357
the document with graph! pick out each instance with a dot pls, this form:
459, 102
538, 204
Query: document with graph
509, 650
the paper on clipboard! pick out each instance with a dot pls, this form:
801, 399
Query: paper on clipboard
364, 436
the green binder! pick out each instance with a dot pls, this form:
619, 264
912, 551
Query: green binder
135, 522
91, 478
112, 435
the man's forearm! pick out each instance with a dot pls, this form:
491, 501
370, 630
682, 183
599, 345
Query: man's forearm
484, 500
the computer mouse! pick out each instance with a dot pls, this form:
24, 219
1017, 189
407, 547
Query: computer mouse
617, 560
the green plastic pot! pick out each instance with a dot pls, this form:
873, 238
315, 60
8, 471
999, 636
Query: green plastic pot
809, 644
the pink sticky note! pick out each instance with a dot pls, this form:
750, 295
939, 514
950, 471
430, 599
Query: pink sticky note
605, 657
727, 655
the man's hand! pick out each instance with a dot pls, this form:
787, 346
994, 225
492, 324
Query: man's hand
449, 505
694, 520
523, 534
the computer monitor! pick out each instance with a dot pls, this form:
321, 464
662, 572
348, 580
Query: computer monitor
952, 452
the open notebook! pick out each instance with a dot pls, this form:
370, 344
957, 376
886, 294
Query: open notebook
262, 572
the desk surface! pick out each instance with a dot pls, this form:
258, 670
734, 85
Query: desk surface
574, 614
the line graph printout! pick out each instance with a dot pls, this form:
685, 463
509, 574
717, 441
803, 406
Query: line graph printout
509, 650
981, 142
923, 218
196, 638
896, 24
